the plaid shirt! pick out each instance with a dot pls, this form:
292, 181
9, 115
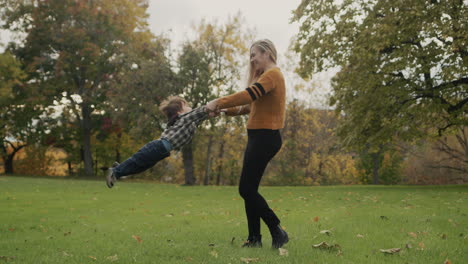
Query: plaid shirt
181, 132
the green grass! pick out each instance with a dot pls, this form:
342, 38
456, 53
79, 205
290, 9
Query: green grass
82, 221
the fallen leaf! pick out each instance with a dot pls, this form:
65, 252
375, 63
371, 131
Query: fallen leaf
248, 260
321, 245
421, 246
214, 253
7, 258
283, 252
447, 261
316, 219
112, 258
325, 245
409, 246
11, 229
65, 254
413, 234
92, 257
390, 250
327, 232
360, 236
137, 238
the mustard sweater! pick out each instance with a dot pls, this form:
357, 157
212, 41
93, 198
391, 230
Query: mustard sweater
265, 100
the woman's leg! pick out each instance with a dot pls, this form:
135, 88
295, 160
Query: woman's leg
262, 146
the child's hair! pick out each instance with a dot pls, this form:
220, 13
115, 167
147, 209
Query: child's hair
171, 106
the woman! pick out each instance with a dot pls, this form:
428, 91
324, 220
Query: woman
264, 101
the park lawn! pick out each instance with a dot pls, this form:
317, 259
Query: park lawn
45, 220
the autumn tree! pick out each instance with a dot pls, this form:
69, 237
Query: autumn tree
454, 152
15, 117
209, 66
403, 65
311, 153
446, 156
195, 80
140, 86
72, 48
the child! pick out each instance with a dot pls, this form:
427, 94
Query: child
183, 122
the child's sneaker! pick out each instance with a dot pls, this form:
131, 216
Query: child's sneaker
110, 177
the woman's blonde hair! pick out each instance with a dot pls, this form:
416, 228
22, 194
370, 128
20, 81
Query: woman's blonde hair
263, 45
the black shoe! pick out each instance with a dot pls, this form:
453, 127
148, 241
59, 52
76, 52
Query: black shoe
110, 177
279, 237
253, 242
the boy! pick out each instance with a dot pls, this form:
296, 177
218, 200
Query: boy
183, 122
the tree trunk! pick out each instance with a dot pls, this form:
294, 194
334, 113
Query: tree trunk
376, 167
86, 139
319, 173
206, 179
8, 158
117, 155
70, 168
8, 164
220, 166
117, 150
187, 156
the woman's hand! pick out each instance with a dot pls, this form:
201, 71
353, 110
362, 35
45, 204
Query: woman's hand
212, 106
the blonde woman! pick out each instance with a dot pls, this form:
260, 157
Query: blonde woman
264, 101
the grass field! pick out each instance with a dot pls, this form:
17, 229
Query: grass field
82, 221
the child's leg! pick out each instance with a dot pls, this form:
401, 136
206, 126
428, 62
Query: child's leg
144, 159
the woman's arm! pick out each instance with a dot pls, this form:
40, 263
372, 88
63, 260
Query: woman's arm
266, 83
238, 110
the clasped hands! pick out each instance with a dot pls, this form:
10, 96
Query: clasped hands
212, 108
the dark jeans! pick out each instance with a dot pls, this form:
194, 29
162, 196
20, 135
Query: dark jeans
144, 159
262, 146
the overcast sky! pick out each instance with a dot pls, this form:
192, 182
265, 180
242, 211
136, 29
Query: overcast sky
174, 18
269, 18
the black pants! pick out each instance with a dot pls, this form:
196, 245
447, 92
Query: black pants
262, 146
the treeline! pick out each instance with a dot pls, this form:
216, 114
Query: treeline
87, 76
311, 155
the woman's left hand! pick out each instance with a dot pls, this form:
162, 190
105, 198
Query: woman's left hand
212, 106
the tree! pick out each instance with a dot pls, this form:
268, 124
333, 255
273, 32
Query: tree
311, 153
11, 97
71, 48
209, 67
454, 152
403, 65
448, 153
140, 86
194, 77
